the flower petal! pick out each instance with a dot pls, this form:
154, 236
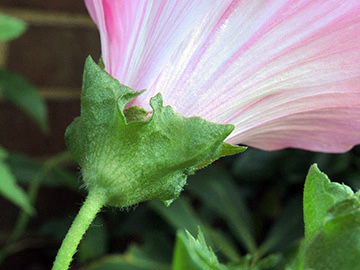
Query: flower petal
286, 73
139, 37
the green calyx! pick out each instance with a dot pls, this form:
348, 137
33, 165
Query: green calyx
134, 159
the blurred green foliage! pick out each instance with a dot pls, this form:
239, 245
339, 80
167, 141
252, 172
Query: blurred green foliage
17, 90
249, 208
10, 27
24, 95
9, 188
251, 215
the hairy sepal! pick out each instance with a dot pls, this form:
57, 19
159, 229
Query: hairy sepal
137, 160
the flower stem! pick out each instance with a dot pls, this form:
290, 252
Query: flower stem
92, 205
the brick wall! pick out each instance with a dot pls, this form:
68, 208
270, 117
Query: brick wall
50, 55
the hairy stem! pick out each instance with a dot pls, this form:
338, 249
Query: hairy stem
92, 205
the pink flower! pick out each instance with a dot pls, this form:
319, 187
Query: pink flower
286, 73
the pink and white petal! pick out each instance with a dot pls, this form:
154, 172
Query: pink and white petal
263, 65
118, 22
140, 36
303, 131
278, 70
324, 122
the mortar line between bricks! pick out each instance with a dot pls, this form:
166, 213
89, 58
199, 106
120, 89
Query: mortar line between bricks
58, 93
53, 18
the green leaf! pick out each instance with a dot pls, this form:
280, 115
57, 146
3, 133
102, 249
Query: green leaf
3, 154
24, 95
226, 150
290, 259
244, 263
337, 245
94, 243
229, 149
270, 262
26, 170
56, 228
134, 259
133, 160
294, 257
8, 187
10, 27
194, 254
319, 196
158, 245
286, 229
219, 193
251, 166
332, 224
181, 216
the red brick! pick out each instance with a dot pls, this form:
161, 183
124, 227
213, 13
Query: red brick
53, 55
18, 133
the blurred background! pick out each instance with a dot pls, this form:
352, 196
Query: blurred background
51, 55
247, 204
